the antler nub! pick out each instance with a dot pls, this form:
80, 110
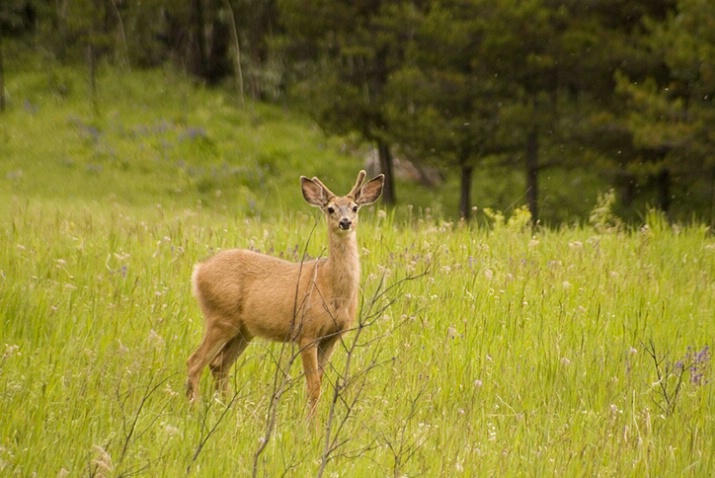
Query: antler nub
328, 192
358, 184
353, 192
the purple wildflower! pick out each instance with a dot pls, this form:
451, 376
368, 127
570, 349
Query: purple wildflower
699, 365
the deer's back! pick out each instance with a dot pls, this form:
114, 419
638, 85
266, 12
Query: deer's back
263, 295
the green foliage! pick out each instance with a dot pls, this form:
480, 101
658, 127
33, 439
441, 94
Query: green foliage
520, 220
669, 109
603, 218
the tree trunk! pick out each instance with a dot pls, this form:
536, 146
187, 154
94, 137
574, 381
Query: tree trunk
2, 76
199, 44
663, 185
122, 34
627, 189
532, 175
92, 66
218, 63
388, 190
237, 53
465, 192
712, 198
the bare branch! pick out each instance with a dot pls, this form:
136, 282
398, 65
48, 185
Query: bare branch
204, 439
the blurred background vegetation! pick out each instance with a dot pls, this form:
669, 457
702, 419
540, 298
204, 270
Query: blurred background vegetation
462, 103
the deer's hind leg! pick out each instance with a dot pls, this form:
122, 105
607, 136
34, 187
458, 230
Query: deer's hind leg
326, 347
224, 360
218, 333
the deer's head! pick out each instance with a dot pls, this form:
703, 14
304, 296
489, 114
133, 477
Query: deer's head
342, 211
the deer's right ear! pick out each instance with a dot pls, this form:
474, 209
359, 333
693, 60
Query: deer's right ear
313, 192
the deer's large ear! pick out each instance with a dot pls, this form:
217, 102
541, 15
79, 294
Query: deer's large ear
313, 192
370, 191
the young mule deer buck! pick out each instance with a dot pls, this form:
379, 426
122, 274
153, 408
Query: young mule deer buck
245, 294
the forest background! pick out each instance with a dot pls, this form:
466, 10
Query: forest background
548, 102
138, 138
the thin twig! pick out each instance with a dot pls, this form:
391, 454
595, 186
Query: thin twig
333, 427
148, 391
280, 385
237, 47
205, 439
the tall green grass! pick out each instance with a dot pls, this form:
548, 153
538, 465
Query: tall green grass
517, 354
493, 351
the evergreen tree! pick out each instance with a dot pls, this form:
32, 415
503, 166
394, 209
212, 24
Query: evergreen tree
443, 104
483, 81
672, 111
341, 54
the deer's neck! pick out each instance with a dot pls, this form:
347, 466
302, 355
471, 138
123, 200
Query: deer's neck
343, 266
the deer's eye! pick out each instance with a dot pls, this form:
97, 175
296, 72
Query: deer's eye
355, 208
331, 209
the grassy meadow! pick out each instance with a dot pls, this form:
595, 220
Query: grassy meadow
480, 351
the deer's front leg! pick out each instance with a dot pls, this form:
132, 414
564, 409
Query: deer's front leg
309, 355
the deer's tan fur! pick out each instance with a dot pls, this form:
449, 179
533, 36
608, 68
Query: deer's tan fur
245, 294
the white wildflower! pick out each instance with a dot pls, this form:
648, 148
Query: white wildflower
156, 339
103, 461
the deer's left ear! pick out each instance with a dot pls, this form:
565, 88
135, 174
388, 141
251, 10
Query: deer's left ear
370, 191
313, 192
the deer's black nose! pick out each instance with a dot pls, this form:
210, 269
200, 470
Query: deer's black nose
345, 224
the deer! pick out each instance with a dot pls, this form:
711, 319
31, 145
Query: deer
245, 294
